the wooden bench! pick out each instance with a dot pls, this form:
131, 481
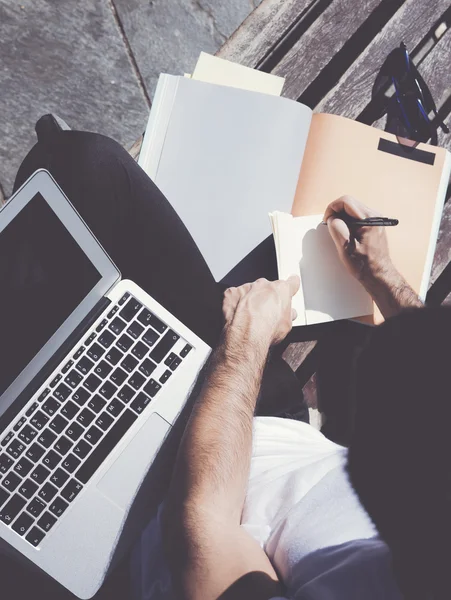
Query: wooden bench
329, 52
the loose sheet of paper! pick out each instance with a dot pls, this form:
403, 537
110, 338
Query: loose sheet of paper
328, 292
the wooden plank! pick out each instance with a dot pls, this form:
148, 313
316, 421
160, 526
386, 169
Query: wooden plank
321, 42
411, 23
295, 354
262, 30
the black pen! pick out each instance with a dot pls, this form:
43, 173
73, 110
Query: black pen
369, 222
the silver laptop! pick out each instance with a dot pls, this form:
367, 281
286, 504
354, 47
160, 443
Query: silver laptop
92, 377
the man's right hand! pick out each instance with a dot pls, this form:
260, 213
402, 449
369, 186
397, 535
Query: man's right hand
363, 250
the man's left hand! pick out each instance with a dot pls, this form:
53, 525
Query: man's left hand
261, 310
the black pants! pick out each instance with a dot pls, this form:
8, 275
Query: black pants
146, 239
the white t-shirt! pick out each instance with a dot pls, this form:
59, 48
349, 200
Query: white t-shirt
305, 514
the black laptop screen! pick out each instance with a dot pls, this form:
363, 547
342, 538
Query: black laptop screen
44, 275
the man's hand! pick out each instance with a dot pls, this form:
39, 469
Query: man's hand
261, 310
364, 252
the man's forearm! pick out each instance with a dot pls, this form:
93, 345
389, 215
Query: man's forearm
212, 466
391, 292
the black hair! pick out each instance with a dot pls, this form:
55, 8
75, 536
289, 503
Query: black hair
400, 452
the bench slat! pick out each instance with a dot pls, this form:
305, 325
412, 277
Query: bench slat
411, 23
321, 42
262, 30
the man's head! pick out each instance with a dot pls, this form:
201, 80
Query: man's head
400, 453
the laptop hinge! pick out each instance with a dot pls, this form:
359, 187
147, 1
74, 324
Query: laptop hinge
52, 364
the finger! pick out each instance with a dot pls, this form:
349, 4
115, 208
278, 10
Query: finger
351, 206
339, 232
294, 314
294, 283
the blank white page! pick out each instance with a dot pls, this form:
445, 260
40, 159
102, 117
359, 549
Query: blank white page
230, 156
329, 291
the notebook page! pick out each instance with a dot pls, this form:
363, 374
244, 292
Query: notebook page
329, 292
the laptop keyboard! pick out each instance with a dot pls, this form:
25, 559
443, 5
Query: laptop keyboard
65, 434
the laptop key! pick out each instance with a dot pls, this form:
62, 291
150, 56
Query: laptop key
35, 536
27, 434
31, 409
115, 407
152, 388
7, 438
140, 350
147, 318
96, 403
82, 449
23, 467
58, 506
103, 369
118, 376
92, 382
96, 352
67, 366
3, 496
62, 392
125, 342
15, 448
106, 339
165, 376
86, 417
129, 363
93, 435
28, 488
50, 406
36, 507
136, 380
108, 390
70, 463
47, 521
55, 381
47, 492
135, 330
69, 410
58, 424
84, 365
140, 402
175, 363
114, 356
126, 393
46, 438
81, 396
40, 474
124, 298
34, 452
79, 352
63, 445
104, 421
130, 309
90, 339
73, 378
101, 325
74, 431
112, 312
117, 325
22, 524
164, 345
11, 509
5, 462
103, 449
59, 477
147, 367
43, 394
51, 459
150, 337
71, 491
19, 424
170, 358
11, 481
39, 420
186, 350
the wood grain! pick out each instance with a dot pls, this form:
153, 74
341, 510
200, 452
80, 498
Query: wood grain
410, 24
320, 43
262, 30
295, 354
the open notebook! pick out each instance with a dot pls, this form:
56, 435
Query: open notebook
227, 157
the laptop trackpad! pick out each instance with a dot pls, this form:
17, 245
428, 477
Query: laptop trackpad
123, 478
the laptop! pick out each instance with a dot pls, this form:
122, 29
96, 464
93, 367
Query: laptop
92, 377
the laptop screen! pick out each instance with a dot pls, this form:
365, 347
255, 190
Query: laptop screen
44, 275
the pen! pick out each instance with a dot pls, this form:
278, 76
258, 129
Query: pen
369, 222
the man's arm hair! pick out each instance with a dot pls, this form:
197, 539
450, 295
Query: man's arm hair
209, 554
391, 292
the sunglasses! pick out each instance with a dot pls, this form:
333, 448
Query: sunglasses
413, 102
